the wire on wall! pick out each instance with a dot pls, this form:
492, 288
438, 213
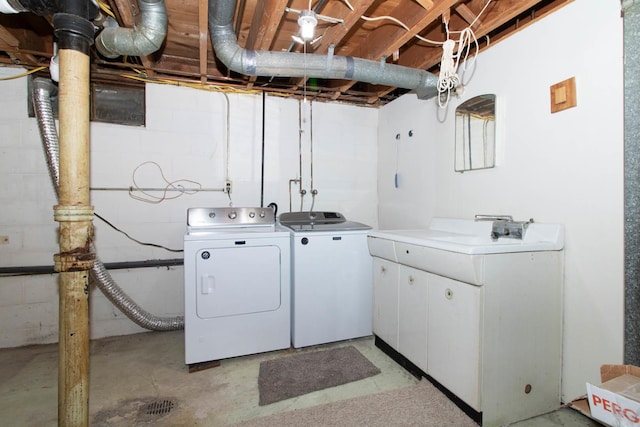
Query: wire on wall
170, 186
262, 151
396, 176
134, 239
228, 148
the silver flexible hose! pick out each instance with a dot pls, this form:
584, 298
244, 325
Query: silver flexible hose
42, 90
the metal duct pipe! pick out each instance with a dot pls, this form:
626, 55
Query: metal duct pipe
145, 38
290, 64
42, 91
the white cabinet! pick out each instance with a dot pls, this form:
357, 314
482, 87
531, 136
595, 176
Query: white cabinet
412, 315
453, 337
385, 301
400, 309
492, 334
432, 321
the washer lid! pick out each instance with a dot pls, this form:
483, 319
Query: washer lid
342, 226
310, 217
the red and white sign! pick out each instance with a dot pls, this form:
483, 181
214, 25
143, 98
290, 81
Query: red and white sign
612, 408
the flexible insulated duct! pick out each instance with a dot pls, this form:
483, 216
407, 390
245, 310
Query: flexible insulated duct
291, 64
42, 90
146, 38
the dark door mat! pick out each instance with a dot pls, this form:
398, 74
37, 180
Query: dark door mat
292, 376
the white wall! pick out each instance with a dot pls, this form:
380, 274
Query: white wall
186, 135
564, 168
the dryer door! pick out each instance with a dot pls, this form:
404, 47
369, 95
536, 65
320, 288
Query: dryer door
237, 280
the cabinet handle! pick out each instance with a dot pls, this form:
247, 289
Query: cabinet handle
448, 294
411, 280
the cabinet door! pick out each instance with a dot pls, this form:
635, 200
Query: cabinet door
412, 324
454, 337
385, 301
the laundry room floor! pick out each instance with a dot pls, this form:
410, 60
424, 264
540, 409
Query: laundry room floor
148, 369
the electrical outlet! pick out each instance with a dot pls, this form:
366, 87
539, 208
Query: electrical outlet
4, 240
227, 187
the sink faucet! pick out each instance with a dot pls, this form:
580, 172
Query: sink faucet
509, 228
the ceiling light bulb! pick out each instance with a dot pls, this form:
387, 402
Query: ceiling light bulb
307, 22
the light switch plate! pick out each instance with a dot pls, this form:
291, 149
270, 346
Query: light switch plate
563, 95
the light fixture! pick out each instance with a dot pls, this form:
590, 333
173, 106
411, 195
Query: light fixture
307, 22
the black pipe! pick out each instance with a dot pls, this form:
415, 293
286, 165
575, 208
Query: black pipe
39, 7
262, 170
121, 265
73, 32
71, 20
84, 8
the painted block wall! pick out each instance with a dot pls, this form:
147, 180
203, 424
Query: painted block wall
185, 139
563, 168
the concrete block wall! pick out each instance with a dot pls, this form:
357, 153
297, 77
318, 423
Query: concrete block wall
186, 136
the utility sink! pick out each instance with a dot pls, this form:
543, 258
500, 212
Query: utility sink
457, 248
474, 237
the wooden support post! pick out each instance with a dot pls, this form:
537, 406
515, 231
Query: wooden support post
75, 259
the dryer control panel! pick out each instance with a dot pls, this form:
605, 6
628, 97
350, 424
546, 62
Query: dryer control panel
230, 217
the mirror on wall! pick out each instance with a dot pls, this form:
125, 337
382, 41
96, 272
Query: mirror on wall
476, 134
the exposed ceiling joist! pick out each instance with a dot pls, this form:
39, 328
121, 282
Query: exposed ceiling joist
187, 53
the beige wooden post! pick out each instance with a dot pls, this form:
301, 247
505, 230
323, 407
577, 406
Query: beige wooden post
75, 259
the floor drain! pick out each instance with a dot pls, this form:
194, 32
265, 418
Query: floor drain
136, 412
158, 407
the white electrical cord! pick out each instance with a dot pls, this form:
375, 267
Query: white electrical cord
448, 78
402, 24
170, 186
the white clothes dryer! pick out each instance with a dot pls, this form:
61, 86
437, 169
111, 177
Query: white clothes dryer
237, 283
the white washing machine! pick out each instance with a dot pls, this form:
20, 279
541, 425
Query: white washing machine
237, 283
331, 278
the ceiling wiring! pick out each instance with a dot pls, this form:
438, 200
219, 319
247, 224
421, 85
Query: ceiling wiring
477, 16
209, 87
35, 70
105, 8
397, 21
452, 51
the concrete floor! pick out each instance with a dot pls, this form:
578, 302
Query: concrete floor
130, 371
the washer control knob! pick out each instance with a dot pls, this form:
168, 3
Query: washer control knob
252, 214
233, 215
305, 241
212, 214
262, 214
